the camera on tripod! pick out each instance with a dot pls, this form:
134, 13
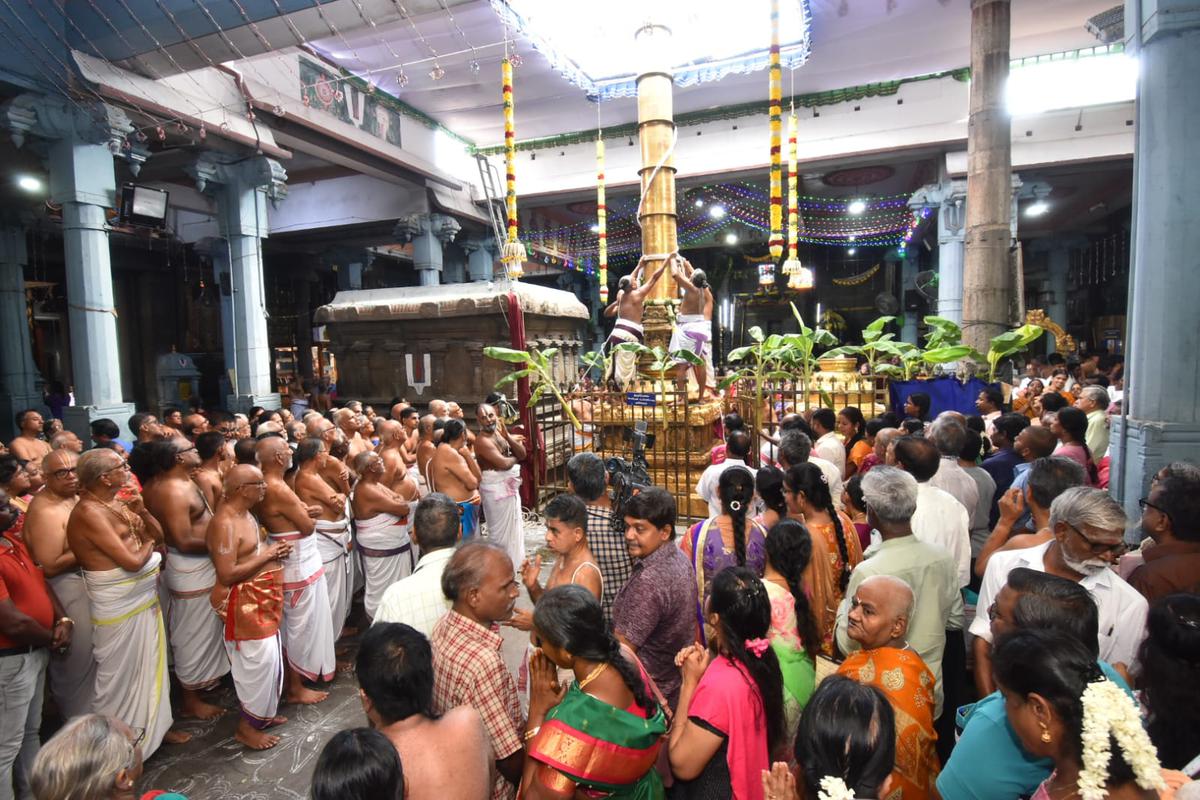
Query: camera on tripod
629, 477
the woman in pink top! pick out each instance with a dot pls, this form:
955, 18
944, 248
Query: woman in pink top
1070, 426
730, 719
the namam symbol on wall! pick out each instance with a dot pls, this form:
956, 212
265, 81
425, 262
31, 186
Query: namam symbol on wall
419, 380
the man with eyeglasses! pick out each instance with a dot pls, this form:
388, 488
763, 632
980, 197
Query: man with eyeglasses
1089, 537
196, 634
1171, 517
72, 674
117, 547
31, 620
333, 471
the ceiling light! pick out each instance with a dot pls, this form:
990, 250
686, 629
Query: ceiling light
29, 183
1037, 208
437, 73
716, 212
699, 204
731, 238
595, 229
856, 207
852, 251
853, 237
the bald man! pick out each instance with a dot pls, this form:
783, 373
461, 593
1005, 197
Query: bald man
116, 544
248, 599
29, 444
878, 621
392, 440
381, 519
307, 622
66, 440
439, 409
332, 528
73, 674
333, 471
454, 472
350, 423
426, 447
499, 455
183, 511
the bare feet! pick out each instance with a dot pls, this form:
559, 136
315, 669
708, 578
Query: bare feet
304, 696
276, 722
177, 737
191, 706
254, 739
344, 667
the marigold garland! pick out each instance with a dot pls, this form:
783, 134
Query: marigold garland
513, 254
799, 276
775, 110
601, 221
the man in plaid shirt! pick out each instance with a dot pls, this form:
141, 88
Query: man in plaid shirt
587, 479
467, 667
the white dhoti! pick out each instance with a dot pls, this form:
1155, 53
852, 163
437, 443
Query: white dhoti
416, 477
257, 677
130, 644
624, 365
307, 623
500, 492
334, 545
196, 633
692, 332
73, 676
388, 555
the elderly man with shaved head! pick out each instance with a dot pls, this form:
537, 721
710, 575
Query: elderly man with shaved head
381, 517
499, 454
879, 613
248, 598
333, 536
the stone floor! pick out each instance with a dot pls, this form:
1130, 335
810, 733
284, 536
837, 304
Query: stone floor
214, 766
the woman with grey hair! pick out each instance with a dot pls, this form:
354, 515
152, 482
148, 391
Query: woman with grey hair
92, 757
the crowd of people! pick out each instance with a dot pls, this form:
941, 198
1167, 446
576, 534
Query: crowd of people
906, 607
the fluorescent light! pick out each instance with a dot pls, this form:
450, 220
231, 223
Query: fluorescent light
29, 183
852, 251
595, 228
716, 212
856, 207
1071, 83
1037, 208
731, 238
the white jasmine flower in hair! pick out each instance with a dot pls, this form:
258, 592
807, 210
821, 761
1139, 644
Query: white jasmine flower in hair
1109, 713
834, 788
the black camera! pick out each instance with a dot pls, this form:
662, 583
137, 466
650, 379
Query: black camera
627, 478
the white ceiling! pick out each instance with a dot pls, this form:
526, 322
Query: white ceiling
853, 42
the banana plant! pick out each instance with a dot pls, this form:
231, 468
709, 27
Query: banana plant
600, 361
1010, 343
663, 361
800, 350
764, 356
537, 366
876, 343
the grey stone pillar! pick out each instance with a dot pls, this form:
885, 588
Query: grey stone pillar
1163, 422
948, 199
19, 378
481, 258
908, 282
429, 233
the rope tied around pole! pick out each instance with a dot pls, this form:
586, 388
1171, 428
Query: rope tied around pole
96, 309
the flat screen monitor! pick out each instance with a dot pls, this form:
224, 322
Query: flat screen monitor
143, 205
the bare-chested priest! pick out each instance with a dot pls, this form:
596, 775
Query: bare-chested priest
382, 521
454, 472
334, 471
332, 528
307, 623
627, 308
215, 461
116, 545
350, 424
72, 674
426, 447
196, 634
393, 451
499, 455
28, 443
693, 326
248, 599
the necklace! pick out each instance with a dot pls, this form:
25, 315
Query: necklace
591, 676
135, 523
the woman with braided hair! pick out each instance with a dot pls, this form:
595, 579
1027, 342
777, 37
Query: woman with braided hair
731, 538
601, 734
807, 493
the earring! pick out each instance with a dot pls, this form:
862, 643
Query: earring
1045, 733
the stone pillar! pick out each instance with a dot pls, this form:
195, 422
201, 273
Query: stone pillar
908, 282
1163, 422
1058, 264
304, 337
241, 187
949, 199
429, 233
19, 376
481, 258
350, 263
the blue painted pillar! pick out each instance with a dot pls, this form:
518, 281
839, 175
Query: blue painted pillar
429, 233
1162, 374
951, 233
241, 188
908, 282
1057, 266
481, 258
19, 377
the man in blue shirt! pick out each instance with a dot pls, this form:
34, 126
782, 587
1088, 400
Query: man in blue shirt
988, 762
1002, 464
1036, 441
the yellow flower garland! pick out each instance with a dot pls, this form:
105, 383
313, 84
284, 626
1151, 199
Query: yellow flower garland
775, 243
799, 277
601, 219
513, 254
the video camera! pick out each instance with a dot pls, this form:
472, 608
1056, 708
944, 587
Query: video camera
627, 478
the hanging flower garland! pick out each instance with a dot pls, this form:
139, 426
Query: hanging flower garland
775, 243
512, 255
799, 276
601, 221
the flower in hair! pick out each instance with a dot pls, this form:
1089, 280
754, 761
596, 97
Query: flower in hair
824, 478
1109, 713
735, 505
757, 646
834, 788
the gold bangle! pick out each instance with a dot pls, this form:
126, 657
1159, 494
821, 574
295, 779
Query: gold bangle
532, 733
67, 619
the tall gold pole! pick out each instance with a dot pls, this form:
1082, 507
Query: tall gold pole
656, 134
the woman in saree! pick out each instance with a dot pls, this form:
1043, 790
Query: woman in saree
600, 736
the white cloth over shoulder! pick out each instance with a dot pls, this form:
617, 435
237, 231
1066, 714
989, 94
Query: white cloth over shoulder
387, 555
130, 644
307, 623
500, 493
73, 676
334, 545
196, 632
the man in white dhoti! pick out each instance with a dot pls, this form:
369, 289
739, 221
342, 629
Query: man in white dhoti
332, 528
426, 447
381, 519
307, 621
627, 308
693, 326
72, 674
183, 512
115, 543
499, 454
248, 599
